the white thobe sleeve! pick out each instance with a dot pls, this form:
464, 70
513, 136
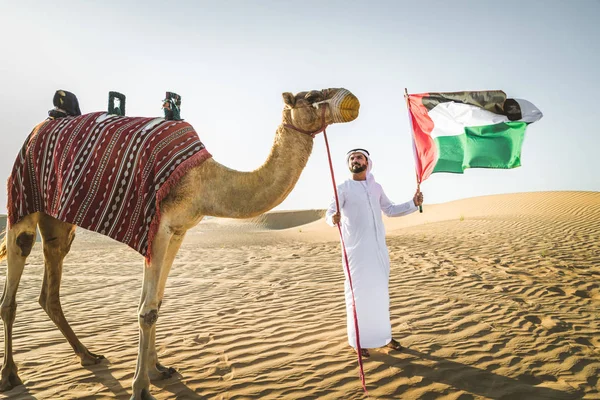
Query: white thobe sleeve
333, 208
396, 210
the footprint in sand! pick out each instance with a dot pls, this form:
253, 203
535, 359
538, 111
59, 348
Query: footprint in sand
433, 348
263, 294
554, 324
582, 293
518, 300
203, 340
556, 290
529, 379
533, 319
281, 284
224, 368
584, 342
227, 311
514, 361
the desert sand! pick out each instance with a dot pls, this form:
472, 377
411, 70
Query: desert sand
495, 297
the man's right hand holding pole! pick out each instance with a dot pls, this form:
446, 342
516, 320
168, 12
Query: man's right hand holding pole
335, 218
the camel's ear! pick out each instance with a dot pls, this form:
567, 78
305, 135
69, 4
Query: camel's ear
289, 99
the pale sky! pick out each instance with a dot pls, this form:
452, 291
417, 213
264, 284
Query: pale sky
231, 60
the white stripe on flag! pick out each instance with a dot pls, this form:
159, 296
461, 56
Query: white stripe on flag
450, 119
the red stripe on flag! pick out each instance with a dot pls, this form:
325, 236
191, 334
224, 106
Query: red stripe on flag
424, 146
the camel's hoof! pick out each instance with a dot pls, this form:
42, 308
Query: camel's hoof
89, 358
9, 381
162, 368
161, 373
144, 395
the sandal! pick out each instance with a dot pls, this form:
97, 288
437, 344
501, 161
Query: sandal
364, 353
393, 344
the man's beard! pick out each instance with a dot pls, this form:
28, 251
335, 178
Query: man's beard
357, 169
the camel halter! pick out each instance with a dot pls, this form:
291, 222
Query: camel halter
339, 226
309, 133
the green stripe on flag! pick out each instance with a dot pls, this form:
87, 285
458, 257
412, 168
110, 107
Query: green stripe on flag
491, 146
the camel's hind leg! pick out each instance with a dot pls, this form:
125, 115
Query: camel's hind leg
20, 240
57, 237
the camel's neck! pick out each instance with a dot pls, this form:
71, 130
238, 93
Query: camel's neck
232, 194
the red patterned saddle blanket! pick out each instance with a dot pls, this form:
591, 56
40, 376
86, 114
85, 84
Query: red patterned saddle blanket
103, 172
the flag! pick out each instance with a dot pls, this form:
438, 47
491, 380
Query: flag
460, 130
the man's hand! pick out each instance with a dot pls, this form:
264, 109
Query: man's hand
336, 218
418, 198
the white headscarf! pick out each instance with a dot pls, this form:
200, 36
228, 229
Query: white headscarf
370, 177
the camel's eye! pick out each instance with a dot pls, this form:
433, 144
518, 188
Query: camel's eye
313, 97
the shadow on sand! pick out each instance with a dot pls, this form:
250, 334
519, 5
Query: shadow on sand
174, 385
103, 375
473, 380
19, 393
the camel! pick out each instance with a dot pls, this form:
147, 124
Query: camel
209, 189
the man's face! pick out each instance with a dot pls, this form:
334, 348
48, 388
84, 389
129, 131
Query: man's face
357, 163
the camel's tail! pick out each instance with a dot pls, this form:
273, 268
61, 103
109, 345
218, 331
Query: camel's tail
3, 246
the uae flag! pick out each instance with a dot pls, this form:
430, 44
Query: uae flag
460, 130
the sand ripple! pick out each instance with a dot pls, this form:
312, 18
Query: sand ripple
495, 298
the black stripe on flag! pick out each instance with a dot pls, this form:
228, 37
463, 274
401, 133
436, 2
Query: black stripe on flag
491, 100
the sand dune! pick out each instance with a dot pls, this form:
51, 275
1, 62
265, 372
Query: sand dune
494, 297
275, 220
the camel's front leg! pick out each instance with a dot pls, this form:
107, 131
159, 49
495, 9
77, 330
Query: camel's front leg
157, 371
148, 312
147, 316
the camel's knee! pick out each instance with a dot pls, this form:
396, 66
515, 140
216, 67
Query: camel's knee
25, 242
148, 319
8, 312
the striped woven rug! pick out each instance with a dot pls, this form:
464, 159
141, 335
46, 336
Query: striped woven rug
103, 172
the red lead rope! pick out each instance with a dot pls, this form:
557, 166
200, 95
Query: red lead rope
347, 265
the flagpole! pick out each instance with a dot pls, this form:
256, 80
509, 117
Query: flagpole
414, 149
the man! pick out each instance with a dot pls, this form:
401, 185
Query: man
361, 201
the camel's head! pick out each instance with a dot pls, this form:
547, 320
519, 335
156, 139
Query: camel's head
305, 109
